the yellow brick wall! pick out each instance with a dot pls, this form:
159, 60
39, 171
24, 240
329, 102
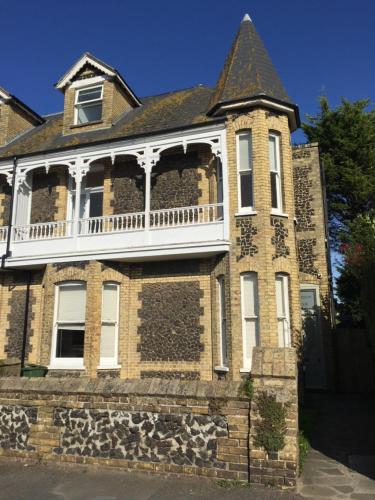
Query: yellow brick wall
260, 122
114, 104
13, 121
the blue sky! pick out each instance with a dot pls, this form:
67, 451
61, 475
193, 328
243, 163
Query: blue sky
318, 46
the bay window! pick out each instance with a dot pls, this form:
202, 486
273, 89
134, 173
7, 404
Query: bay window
69, 326
282, 310
245, 170
88, 105
275, 171
250, 317
109, 327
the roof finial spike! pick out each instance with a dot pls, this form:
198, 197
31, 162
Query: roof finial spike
246, 17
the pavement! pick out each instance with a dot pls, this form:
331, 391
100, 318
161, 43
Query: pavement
341, 461
55, 482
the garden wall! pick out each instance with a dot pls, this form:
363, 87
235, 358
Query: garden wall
174, 426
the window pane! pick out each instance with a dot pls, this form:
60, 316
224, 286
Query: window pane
244, 153
274, 197
250, 340
89, 94
70, 342
272, 145
72, 303
280, 298
250, 295
108, 341
246, 179
223, 323
89, 113
110, 299
96, 204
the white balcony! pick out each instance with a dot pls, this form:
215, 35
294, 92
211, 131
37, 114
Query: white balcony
177, 232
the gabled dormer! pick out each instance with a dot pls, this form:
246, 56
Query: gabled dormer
95, 95
15, 117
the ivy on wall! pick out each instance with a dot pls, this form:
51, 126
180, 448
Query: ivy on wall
271, 428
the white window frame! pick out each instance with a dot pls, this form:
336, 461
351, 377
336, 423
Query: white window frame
113, 361
286, 340
246, 367
279, 183
91, 102
248, 209
64, 363
85, 191
222, 319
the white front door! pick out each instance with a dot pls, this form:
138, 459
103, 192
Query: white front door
313, 348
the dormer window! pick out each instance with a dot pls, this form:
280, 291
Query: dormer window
88, 105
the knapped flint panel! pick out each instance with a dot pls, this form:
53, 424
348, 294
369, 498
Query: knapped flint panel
5, 203
172, 267
16, 316
128, 187
15, 422
170, 329
44, 196
176, 182
184, 439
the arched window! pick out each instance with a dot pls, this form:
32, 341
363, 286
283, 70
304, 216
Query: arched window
275, 171
282, 309
69, 325
222, 320
109, 329
245, 170
250, 316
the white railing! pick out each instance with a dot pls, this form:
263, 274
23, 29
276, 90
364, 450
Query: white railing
3, 233
186, 216
172, 217
42, 231
112, 223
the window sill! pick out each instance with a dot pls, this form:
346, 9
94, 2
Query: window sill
245, 370
108, 367
221, 369
80, 125
66, 367
279, 214
247, 212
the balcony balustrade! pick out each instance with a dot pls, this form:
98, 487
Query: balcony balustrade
176, 231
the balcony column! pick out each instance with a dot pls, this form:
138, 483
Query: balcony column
77, 172
147, 164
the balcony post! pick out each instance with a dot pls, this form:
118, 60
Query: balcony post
77, 172
147, 164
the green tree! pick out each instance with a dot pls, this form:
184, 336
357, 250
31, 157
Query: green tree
346, 136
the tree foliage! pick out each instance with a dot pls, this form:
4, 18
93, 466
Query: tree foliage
346, 136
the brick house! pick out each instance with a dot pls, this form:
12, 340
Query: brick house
164, 236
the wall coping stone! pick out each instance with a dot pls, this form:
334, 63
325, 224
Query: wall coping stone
156, 387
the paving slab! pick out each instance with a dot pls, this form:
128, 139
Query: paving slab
341, 461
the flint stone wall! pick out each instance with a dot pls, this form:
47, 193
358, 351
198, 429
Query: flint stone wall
149, 437
190, 427
15, 424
